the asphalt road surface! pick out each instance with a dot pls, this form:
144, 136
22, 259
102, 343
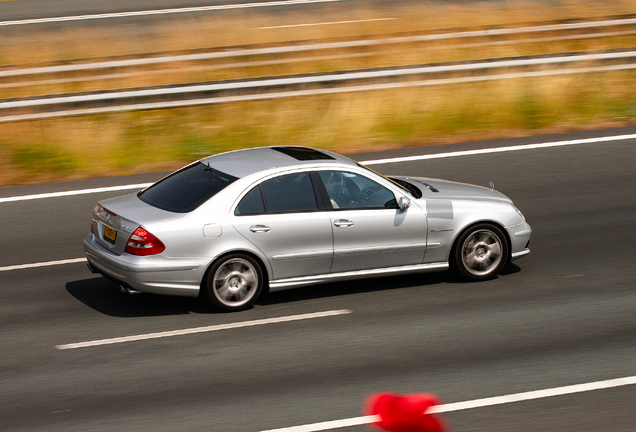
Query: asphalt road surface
562, 315
14, 11
34, 9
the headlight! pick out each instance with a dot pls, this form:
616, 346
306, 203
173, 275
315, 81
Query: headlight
520, 214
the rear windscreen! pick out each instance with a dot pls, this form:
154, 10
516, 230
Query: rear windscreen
186, 189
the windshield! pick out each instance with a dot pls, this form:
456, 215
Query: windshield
186, 189
403, 185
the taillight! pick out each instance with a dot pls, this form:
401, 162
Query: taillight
141, 242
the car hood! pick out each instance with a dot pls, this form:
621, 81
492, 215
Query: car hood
436, 188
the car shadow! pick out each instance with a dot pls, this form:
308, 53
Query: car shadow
509, 269
355, 287
104, 296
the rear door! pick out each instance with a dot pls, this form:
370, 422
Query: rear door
281, 217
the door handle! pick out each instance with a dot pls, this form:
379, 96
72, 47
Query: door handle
343, 223
260, 228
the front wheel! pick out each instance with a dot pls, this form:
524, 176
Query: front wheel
480, 252
233, 283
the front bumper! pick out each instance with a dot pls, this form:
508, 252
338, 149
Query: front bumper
152, 274
519, 240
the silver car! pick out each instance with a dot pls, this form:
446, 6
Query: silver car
233, 226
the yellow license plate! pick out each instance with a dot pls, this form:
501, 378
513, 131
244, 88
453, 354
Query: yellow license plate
110, 234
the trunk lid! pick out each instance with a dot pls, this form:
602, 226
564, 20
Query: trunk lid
114, 220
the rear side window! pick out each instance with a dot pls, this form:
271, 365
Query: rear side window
252, 203
288, 193
186, 189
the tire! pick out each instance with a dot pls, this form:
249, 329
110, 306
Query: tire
480, 252
233, 283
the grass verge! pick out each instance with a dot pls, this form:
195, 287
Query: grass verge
135, 142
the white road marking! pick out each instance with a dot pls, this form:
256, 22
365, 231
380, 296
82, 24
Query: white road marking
162, 11
75, 192
326, 23
205, 329
501, 149
477, 403
334, 424
42, 264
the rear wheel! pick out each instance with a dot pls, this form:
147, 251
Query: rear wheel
480, 252
233, 283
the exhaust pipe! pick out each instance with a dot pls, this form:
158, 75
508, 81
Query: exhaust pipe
122, 288
128, 290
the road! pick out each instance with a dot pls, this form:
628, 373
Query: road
562, 315
143, 12
36, 9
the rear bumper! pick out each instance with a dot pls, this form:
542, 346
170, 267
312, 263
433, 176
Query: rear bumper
155, 274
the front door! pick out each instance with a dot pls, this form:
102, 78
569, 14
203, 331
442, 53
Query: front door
369, 230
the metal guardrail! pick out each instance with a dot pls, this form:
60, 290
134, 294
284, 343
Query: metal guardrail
311, 84
245, 52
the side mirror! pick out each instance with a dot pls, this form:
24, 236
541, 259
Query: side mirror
404, 203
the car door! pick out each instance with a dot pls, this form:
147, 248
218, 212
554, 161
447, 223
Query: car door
369, 229
282, 218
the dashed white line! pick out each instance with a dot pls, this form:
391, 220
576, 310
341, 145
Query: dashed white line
163, 11
42, 264
326, 23
204, 329
477, 403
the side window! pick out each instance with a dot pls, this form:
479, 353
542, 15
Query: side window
251, 204
289, 193
353, 191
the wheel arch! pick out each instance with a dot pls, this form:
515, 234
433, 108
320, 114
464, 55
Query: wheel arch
472, 224
264, 268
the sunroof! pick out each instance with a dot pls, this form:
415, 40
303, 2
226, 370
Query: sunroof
303, 153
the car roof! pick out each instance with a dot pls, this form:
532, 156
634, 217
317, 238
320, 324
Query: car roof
241, 163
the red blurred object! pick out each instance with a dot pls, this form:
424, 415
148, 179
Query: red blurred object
404, 413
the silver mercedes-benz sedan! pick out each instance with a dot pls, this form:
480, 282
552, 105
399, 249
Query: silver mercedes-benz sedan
233, 226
